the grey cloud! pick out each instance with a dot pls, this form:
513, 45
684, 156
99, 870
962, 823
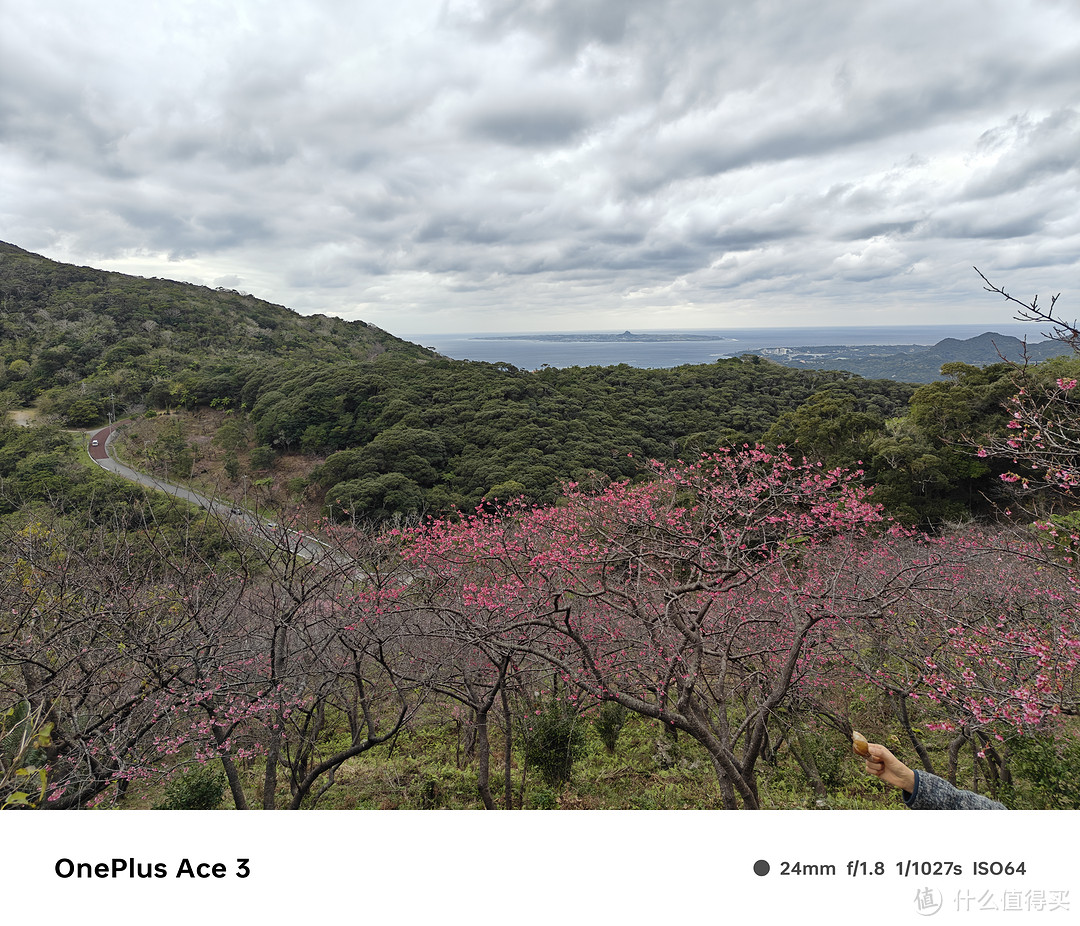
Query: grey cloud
881, 229
47, 119
529, 124
635, 156
473, 231
173, 226
813, 128
566, 25
742, 239
968, 223
1027, 153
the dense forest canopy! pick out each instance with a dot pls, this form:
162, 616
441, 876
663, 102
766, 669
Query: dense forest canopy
61, 324
383, 428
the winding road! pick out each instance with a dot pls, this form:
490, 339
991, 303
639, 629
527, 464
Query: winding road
309, 547
99, 453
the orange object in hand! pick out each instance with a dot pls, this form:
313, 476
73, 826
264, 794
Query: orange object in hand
860, 744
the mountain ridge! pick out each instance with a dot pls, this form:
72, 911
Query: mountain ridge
913, 363
41, 297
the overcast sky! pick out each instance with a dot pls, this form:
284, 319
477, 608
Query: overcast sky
556, 164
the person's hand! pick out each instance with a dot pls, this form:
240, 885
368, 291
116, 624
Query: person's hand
889, 769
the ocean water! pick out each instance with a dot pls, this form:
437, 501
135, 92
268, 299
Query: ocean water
531, 354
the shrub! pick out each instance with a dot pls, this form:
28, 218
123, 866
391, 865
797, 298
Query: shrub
23, 739
441, 785
202, 788
1043, 773
553, 741
262, 458
543, 800
608, 724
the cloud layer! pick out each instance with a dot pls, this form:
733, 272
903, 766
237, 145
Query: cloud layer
554, 164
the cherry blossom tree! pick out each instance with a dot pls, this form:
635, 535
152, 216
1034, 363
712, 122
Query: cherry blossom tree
140, 662
307, 653
1044, 423
82, 644
693, 597
986, 648
470, 618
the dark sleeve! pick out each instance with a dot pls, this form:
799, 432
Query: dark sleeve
933, 793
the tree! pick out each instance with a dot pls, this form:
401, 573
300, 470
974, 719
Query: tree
1044, 425
375, 498
827, 427
922, 465
139, 662
84, 643
467, 635
986, 652
304, 656
694, 598
24, 736
1006, 645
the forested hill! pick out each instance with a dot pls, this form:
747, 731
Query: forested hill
61, 323
356, 423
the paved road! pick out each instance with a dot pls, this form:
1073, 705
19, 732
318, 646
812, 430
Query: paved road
99, 452
100, 442
97, 444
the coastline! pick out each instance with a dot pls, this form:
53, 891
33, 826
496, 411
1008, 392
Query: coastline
533, 350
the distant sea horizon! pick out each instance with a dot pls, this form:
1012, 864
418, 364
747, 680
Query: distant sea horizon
530, 351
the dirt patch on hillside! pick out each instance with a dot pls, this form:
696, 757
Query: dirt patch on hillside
24, 417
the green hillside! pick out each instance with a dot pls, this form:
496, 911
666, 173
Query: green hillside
355, 423
128, 336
